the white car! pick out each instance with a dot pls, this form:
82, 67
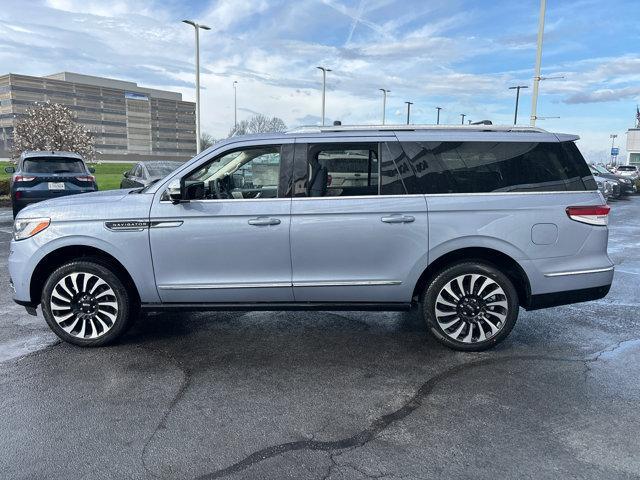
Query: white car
629, 171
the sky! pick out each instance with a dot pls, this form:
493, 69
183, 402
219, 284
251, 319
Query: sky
462, 55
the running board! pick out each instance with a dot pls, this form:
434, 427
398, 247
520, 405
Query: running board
278, 306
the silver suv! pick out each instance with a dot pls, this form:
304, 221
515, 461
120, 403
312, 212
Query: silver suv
468, 223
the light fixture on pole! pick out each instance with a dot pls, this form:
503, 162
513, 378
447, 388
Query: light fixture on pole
409, 112
384, 103
517, 88
235, 104
537, 77
463, 115
438, 118
197, 28
324, 88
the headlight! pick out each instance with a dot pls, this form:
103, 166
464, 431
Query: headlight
28, 227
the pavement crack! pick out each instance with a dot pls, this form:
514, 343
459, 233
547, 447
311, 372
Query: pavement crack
180, 392
378, 425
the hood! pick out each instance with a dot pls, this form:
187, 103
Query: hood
109, 204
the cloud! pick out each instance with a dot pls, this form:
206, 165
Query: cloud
608, 95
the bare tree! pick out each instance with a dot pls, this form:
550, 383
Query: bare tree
258, 124
51, 126
206, 140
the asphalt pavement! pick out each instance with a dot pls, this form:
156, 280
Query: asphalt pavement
317, 395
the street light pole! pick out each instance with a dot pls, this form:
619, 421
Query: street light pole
324, 88
463, 115
384, 103
408, 111
438, 118
537, 78
517, 89
235, 104
197, 28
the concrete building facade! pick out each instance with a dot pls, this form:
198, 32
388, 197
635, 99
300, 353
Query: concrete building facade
127, 121
633, 146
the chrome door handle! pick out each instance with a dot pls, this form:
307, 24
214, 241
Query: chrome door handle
398, 219
264, 221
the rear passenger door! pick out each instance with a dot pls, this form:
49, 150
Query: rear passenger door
356, 236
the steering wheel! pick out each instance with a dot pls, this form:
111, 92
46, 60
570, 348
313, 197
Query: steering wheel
219, 189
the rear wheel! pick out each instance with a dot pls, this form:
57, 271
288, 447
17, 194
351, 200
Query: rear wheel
470, 306
85, 303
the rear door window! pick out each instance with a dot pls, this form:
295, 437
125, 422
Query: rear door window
50, 165
480, 167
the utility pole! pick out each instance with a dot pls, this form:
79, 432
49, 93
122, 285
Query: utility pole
235, 104
537, 78
324, 88
408, 111
438, 118
517, 89
463, 115
197, 28
384, 103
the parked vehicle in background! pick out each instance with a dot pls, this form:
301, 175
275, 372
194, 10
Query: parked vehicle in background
630, 171
626, 185
468, 224
145, 173
604, 186
44, 175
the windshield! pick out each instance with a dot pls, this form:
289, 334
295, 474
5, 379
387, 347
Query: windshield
162, 169
53, 165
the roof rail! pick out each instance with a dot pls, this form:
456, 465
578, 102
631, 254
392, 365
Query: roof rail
410, 128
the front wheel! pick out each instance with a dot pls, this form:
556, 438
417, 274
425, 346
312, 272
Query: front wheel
85, 303
470, 306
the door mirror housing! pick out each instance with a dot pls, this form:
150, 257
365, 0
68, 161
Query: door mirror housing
10, 169
174, 191
92, 170
126, 174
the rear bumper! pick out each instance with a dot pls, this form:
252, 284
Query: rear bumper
555, 299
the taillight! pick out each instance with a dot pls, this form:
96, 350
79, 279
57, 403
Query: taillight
593, 215
22, 178
86, 178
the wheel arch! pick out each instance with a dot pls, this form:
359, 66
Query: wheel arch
58, 257
504, 262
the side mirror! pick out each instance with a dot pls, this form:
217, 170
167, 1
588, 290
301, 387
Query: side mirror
10, 169
174, 191
126, 174
92, 170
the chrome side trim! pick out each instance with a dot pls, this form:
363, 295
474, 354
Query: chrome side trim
348, 283
214, 286
579, 272
380, 197
166, 224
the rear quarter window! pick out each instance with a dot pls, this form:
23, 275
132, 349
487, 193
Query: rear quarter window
483, 167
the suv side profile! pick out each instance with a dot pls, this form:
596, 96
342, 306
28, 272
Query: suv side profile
41, 175
467, 223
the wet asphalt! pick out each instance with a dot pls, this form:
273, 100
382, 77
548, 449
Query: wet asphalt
319, 395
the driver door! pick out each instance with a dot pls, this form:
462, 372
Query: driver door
231, 245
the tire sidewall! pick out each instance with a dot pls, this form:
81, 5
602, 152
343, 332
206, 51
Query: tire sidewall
107, 275
430, 295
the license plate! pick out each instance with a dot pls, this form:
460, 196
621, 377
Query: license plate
56, 185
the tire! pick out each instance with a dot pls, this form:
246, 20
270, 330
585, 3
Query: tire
475, 316
93, 305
